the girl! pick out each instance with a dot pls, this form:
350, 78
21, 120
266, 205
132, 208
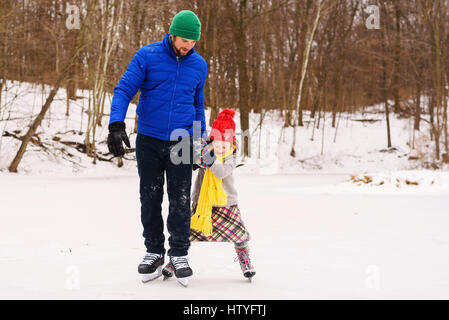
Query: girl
215, 213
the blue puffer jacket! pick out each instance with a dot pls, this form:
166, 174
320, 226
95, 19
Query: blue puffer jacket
171, 92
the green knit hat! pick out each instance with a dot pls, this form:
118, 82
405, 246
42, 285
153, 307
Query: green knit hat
186, 24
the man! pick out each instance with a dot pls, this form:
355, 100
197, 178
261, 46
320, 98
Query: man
171, 77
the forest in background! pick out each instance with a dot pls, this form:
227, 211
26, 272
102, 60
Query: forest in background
317, 55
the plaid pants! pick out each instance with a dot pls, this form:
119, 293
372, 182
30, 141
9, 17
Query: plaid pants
227, 226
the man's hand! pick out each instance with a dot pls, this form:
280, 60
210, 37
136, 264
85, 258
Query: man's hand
117, 134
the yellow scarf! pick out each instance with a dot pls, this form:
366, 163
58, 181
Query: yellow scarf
211, 194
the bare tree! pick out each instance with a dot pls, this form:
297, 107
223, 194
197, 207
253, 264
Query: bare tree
305, 62
80, 44
110, 20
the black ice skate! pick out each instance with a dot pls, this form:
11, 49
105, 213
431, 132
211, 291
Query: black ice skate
151, 266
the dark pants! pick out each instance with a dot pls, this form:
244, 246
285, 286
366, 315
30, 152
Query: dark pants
153, 160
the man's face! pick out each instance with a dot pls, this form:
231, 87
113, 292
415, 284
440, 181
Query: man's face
182, 46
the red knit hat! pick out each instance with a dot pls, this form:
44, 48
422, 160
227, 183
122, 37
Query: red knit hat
223, 129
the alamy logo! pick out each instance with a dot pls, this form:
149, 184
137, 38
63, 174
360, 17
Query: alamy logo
73, 278
373, 21
372, 280
73, 19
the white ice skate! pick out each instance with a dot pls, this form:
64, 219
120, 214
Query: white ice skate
181, 269
245, 263
151, 276
183, 281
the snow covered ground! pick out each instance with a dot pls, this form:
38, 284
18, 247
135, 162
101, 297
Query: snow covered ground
349, 219
353, 147
80, 237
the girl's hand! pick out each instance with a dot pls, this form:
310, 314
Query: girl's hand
198, 146
207, 155
204, 149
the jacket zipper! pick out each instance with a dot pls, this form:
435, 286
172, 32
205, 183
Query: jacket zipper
173, 97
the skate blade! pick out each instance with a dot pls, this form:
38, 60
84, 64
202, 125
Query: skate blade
166, 277
183, 281
146, 277
250, 275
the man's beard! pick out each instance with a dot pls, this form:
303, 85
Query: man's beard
178, 52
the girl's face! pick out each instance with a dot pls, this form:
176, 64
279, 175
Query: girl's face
221, 147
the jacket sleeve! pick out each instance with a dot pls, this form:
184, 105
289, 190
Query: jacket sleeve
222, 170
128, 86
199, 101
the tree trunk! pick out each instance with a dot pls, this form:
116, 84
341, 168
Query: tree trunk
417, 107
437, 77
243, 79
384, 81
397, 58
214, 95
4, 52
305, 62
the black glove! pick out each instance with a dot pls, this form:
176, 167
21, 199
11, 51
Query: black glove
117, 134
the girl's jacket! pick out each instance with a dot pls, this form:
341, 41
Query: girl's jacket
222, 171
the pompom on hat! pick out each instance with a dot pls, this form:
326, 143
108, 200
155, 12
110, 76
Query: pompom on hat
223, 129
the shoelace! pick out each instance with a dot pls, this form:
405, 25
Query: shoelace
150, 258
179, 262
243, 258
169, 267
